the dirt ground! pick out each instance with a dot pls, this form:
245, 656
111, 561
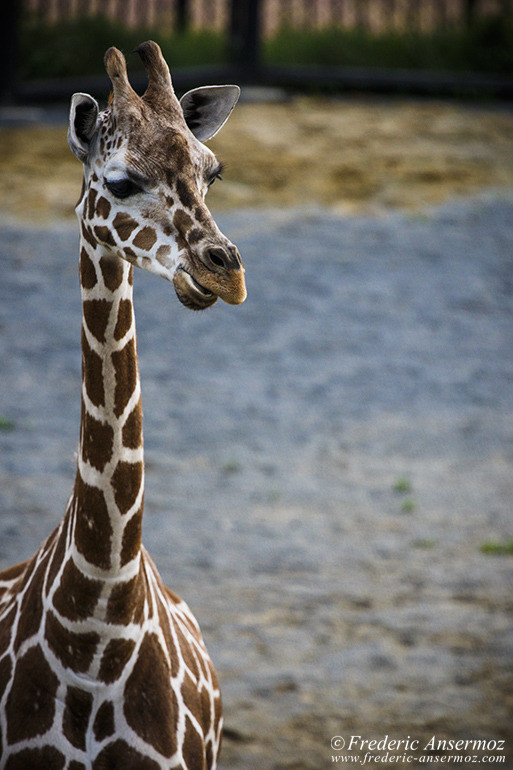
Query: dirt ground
350, 156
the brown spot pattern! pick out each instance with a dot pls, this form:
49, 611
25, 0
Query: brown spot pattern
5, 673
77, 712
120, 754
178, 150
130, 255
6, 630
164, 624
125, 602
31, 609
37, 759
190, 693
195, 235
206, 710
124, 225
163, 254
209, 754
82, 191
124, 320
96, 315
132, 429
93, 530
88, 236
112, 271
126, 482
103, 208
57, 558
200, 214
75, 651
131, 542
104, 235
145, 238
218, 710
30, 706
87, 270
150, 705
104, 721
92, 368
187, 654
114, 659
74, 765
77, 595
193, 748
182, 221
15, 571
184, 193
97, 440
90, 203
125, 366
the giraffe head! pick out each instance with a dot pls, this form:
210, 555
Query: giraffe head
146, 174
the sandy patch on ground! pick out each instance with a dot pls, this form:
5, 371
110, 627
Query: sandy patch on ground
354, 155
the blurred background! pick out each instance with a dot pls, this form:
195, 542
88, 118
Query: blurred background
329, 466
297, 60
293, 42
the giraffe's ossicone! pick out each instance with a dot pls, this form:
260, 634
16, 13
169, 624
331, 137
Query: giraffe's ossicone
101, 666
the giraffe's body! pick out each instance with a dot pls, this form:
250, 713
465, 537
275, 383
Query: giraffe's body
101, 666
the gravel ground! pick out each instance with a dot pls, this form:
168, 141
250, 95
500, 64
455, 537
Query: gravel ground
324, 464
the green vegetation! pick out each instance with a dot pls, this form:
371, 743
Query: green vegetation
231, 466
492, 548
408, 506
76, 46
402, 486
424, 542
487, 46
6, 424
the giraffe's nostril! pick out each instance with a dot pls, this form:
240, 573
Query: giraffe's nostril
217, 256
222, 258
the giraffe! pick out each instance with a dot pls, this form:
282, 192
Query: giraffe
102, 666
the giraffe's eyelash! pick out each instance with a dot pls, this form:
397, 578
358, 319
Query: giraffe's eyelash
216, 174
122, 188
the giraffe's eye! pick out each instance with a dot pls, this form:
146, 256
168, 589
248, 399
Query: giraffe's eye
216, 175
213, 179
122, 188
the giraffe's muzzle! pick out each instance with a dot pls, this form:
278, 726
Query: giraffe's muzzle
191, 293
215, 275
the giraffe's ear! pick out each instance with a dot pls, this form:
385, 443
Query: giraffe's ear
207, 109
83, 118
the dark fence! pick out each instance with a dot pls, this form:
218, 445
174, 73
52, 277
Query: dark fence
373, 15
247, 26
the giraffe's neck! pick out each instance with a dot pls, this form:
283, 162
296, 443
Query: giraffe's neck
107, 500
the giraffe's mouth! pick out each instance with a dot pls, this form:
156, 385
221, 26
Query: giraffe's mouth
191, 293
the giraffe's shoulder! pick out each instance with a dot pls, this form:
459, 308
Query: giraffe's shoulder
11, 574
10, 577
